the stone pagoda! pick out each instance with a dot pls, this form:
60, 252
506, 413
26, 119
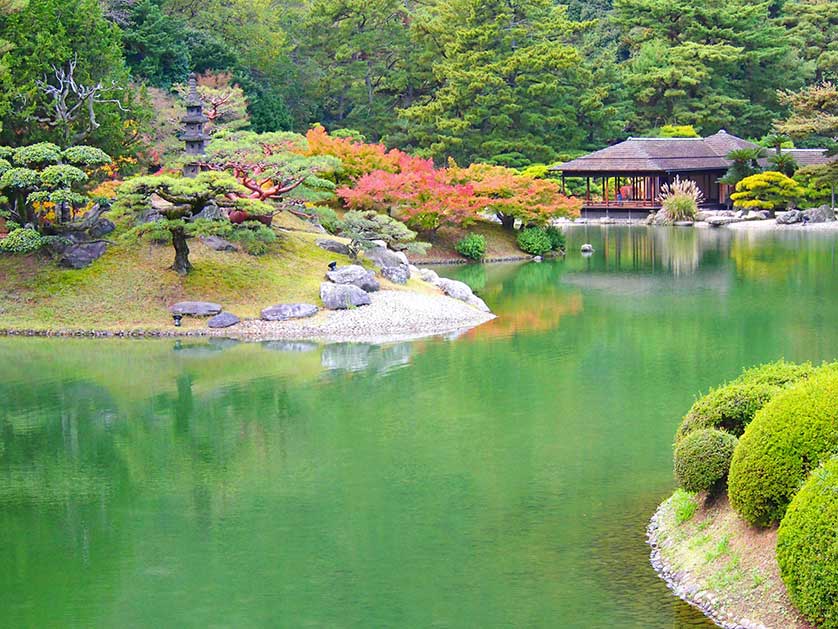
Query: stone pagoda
193, 132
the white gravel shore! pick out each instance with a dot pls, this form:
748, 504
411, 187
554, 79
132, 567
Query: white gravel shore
392, 316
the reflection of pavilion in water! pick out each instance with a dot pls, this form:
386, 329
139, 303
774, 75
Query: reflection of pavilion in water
639, 259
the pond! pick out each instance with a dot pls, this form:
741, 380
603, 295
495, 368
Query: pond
500, 478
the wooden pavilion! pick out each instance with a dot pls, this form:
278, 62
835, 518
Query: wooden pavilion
632, 172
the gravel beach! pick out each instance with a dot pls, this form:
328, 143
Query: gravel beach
392, 316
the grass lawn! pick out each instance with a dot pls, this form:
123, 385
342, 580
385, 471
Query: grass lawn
131, 286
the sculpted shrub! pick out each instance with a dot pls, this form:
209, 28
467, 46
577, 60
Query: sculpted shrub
702, 459
730, 407
779, 373
807, 547
788, 438
535, 241
557, 238
472, 246
21, 241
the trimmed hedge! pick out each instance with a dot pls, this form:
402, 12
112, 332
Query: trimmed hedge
785, 441
702, 459
730, 408
472, 246
807, 547
535, 241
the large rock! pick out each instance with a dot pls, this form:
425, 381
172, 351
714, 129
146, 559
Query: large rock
789, 218
822, 214
475, 302
396, 274
719, 220
82, 255
455, 289
195, 308
429, 275
383, 257
283, 312
100, 228
756, 215
218, 244
342, 296
333, 245
223, 320
355, 275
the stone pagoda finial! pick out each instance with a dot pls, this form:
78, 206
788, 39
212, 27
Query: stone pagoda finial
193, 132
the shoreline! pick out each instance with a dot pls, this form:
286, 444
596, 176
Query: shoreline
743, 225
703, 562
393, 316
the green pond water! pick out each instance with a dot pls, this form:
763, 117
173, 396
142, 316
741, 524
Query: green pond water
502, 478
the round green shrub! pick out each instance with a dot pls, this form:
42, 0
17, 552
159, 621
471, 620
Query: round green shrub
557, 238
702, 459
21, 241
807, 547
472, 246
788, 438
328, 218
535, 241
730, 407
779, 373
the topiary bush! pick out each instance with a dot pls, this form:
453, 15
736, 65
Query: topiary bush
702, 459
21, 241
472, 246
779, 373
557, 238
535, 241
788, 438
807, 547
730, 407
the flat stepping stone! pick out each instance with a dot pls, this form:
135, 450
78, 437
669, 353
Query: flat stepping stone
223, 320
195, 308
283, 312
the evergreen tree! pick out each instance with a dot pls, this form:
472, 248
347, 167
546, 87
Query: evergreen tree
155, 44
713, 64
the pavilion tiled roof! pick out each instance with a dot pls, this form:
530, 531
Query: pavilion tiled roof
808, 157
658, 155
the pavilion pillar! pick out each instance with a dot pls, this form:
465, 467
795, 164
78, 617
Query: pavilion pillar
588, 189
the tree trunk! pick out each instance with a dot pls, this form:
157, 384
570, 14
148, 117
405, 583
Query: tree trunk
181, 265
506, 220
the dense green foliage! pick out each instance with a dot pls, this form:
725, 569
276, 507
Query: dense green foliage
535, 241
472, 246
807, 547
779, 373
364, 228
702, 459
21, 241
788, 438
730, 407
558, 241
474, 80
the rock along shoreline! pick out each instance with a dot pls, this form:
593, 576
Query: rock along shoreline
392, 316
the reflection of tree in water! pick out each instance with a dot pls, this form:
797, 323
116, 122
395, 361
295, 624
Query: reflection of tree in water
472, 274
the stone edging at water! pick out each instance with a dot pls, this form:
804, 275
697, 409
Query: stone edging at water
684, 586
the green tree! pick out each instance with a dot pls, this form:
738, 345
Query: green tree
155, 44
713, 64
813, 26
191, 207
509, 84
55, 40
6, 7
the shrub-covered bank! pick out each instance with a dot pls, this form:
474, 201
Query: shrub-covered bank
753, 454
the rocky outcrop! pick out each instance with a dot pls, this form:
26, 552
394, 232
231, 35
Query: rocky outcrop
354, 275
81, 255
333, 246
342, 296
461, 291
284, 312
383, 257
195, 308
100, 228
822, 214
789, 218
223, 320
396, 274
429, 276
